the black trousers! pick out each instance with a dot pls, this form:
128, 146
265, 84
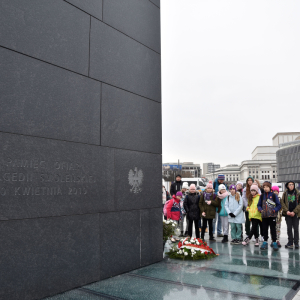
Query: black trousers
254, 228
190, 230
266, 223
292, 223
204, 226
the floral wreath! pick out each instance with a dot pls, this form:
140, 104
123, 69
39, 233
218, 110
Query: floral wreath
193, 249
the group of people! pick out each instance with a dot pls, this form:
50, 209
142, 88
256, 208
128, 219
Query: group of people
255, 207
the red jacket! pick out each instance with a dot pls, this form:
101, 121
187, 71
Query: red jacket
173, 209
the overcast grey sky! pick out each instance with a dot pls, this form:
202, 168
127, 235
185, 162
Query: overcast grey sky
230, 77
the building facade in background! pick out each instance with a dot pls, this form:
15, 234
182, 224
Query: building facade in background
210, 168
185, 169
263, 165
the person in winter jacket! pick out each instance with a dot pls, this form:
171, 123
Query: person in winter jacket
222, 197
269, 206
246, 195
208, 205
275, 190
165, 195
291, 210
254, 215
173, 207
183, 212
191, 206
261, 190
239, 188
234, 208
176, 186
219, 180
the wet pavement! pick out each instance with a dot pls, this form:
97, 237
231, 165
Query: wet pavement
237, 273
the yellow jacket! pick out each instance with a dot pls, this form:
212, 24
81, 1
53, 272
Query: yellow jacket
253, 211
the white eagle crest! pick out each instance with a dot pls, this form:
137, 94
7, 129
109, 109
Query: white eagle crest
135, 179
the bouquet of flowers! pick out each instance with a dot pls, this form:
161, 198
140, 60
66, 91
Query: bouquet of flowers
191, 249
169, 229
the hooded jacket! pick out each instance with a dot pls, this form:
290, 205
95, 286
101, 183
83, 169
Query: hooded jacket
253, 210
176, 187
285, 203
235, 207
174, 209
210, 210
216, 185
268, 205
191, 206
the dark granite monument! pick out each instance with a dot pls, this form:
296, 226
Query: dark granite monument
80, 142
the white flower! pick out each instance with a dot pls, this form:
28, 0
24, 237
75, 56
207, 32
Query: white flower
192, 241
173, 225
185, 253
167, 222
197, 243
186, 242
180, 251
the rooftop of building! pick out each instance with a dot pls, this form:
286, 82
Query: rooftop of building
284, 133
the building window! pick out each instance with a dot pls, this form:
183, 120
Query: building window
273, 176
263, 176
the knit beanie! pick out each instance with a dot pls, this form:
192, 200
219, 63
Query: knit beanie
210, 185
275, 188
250, 178
185, 185
232, 187
222, 187
255, 188
239, 182
267, 183
221, 177
179, 194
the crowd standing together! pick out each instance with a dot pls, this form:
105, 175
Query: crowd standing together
258, 207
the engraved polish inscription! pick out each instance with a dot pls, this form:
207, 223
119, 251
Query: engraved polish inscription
35, 177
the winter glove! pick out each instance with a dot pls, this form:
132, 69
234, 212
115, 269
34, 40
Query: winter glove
232, 215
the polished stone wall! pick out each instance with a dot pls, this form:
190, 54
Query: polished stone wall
288, 164
80, 142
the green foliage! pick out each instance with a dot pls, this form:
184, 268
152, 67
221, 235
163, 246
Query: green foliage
169, 227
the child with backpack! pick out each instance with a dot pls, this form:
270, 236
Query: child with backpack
222, 197
234, 208
208, 204
269, 206
254, 215
173, 207
275, 190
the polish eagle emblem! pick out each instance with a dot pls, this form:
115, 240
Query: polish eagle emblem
135, 179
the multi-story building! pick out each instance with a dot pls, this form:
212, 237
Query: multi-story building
262, 166
210, 168
288, 162
186, 169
